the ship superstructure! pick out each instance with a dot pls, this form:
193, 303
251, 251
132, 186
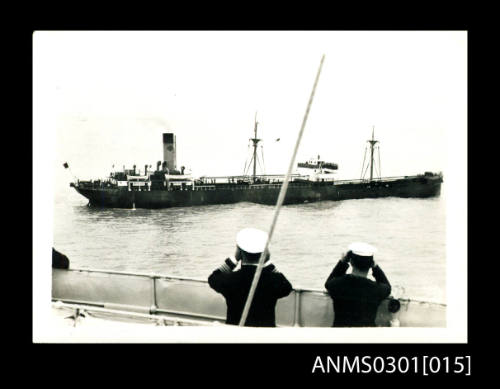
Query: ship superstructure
168, 186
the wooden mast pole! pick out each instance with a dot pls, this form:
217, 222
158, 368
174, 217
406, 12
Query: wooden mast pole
255, 142
372, 144
279, 203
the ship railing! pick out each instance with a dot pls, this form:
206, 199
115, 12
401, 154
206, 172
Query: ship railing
259, 186
99, 312
384, 179
266, 186
192, 298
137, 178
247, 179
246, 187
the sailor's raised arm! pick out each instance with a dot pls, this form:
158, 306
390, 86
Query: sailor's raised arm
379, 275
381, 279
228, 265
339, 270
282, 287
218, 280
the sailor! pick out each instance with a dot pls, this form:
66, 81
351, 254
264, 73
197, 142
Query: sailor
234, 284
355, 297
59, 260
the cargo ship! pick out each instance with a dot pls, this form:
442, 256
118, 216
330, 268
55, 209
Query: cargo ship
168, 186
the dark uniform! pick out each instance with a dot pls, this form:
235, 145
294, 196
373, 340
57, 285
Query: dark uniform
234, 286
59, 261
356, 299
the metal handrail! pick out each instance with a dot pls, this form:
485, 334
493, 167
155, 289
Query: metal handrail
382, 179
155, 318
204, 281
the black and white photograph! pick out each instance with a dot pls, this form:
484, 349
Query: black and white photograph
250, 187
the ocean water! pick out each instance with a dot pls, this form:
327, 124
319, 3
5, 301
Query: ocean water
410, 235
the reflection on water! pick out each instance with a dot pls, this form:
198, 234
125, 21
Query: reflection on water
308, 239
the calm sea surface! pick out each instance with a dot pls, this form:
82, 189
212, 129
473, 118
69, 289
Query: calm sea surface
308, 240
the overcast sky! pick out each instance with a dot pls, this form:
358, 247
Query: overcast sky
104, 98
108, 96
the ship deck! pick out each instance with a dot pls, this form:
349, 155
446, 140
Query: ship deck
271, 181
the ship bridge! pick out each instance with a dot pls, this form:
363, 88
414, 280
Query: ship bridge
317, 170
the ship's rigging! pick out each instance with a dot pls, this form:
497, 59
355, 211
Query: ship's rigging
254, 156
374, 149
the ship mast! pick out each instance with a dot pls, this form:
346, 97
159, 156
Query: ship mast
255, 141
372, 144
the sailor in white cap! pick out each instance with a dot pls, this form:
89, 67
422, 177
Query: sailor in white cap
355, 297
234, 283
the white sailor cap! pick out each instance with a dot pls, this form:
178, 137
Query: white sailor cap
251, 240
362, 249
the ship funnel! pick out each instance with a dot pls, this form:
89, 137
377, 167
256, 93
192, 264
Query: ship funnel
169, 150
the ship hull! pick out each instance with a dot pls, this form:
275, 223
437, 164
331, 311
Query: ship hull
298, 192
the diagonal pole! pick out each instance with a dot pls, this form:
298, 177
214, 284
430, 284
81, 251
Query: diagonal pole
281, 198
